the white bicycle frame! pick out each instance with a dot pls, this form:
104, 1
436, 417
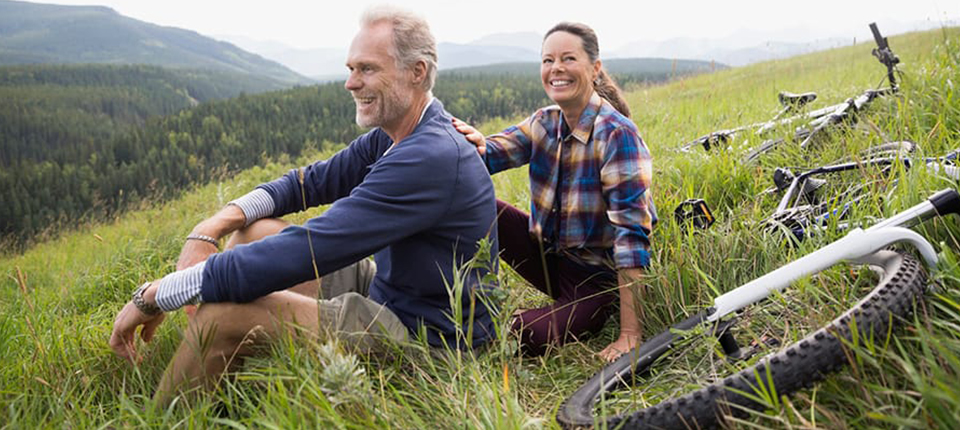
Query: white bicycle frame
857, 245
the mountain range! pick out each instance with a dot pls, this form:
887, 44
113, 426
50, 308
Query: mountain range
737, 49
33, 33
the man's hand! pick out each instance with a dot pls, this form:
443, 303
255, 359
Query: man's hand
125, 327
624, 344
473, 135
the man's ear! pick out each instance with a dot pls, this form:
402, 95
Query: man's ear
419, 72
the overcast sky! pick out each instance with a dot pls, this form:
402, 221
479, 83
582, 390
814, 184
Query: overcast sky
316, 24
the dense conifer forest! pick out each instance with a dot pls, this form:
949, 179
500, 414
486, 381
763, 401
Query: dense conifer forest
84, 142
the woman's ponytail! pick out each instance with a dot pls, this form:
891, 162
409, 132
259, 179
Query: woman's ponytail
607, 88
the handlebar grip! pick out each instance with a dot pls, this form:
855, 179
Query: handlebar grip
946, 202
881, 41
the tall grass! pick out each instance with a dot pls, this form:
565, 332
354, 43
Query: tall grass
58, 300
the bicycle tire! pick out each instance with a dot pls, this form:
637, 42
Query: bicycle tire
797, 366
765, 147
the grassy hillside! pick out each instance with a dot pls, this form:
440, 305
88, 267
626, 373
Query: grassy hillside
32, 33
58, 300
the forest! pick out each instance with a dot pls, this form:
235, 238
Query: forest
80, 143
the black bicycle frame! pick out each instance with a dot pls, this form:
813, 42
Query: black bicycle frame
798, 183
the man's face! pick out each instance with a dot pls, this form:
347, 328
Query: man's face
382, 92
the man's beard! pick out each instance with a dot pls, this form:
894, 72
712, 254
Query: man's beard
392, 106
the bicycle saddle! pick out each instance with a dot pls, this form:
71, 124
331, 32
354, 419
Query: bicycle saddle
796, 100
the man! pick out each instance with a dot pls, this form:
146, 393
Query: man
412, 192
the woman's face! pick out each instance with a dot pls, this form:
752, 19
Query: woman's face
566, 70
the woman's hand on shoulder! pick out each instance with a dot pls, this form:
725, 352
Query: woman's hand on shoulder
473, 135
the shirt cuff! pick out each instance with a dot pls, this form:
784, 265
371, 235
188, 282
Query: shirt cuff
632, 259
181, 288
255, 205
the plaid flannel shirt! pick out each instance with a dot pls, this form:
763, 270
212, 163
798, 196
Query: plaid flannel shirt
604, 199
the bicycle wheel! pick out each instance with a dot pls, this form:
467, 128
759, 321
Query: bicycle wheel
711, 385
765, 147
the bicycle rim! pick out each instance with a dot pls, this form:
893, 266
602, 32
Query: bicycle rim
696, 382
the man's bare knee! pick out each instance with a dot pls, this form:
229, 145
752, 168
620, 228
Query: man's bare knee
256, 321
257, 230
214, 322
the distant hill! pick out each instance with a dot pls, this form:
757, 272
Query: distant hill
455, 55
732, 51
56, 112
493, 53
528, 40
625, 70
32, 33
320, 64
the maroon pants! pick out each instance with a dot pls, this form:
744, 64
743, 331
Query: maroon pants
583, 294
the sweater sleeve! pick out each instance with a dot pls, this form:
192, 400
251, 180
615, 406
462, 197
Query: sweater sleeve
326, 181
404, 193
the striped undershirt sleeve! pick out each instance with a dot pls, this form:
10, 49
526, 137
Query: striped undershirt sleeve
181, 288
255, 205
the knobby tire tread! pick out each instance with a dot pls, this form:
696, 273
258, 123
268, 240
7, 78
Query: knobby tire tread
798, 366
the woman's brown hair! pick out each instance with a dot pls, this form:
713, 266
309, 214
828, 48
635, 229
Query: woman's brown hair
605, 86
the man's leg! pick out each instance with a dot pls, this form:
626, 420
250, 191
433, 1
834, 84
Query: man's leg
221, 334
355, 278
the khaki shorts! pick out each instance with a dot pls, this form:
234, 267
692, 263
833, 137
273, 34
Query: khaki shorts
347, 313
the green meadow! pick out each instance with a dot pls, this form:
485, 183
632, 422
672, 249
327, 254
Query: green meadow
58, 299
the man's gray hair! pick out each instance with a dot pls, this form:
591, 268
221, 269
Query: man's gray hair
412, 39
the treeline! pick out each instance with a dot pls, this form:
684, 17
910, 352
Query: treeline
626, 71
64, 113
480, 97
83, 146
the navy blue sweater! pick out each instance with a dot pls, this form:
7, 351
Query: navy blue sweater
420, 209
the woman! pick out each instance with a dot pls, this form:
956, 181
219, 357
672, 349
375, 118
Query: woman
591, 211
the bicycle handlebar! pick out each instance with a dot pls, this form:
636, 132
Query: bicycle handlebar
881, 41
884, 53
944, 202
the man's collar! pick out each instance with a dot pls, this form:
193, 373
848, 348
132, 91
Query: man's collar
424, 112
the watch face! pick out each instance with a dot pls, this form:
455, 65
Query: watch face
141, 304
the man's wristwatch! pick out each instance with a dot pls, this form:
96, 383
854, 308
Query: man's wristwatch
141, 304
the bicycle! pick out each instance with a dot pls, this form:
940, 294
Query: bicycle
816, 121
803, 207
703, 350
